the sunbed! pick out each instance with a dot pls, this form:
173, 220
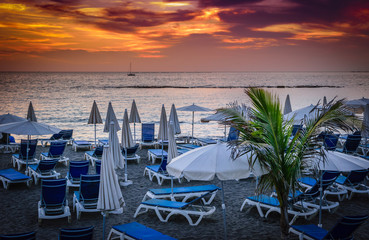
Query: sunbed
81, 144
136, 231
85, 233
131, 154
85, 200
154, 154
10, 175
94, 155
148, 135
76, 169
343, 229
170, 208
44, 169
159, 172
56, 151
53, 203
24, 158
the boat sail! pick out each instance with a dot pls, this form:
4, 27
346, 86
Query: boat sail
130, 70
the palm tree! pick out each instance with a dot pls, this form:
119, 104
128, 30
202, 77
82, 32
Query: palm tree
268, 136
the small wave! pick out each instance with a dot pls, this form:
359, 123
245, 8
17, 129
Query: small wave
209, 86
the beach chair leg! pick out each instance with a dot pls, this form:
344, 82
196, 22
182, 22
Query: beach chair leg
138, 212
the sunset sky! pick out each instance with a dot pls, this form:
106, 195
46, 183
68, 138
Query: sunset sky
194, 35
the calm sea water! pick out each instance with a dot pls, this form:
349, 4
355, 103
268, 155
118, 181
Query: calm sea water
65, 99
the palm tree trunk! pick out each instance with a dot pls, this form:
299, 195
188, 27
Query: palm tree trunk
284, 223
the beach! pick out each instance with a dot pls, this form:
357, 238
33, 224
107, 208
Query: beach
18, 207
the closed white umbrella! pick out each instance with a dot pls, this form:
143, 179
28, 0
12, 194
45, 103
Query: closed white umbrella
127, 142
110, 196
31, 113
173, 117
365, 126
206, 163
193, 108
134, 117
95, 117
114, 147
163, 126
287, 105
110, 116
172, 146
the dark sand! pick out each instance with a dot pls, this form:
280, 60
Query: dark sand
19, 209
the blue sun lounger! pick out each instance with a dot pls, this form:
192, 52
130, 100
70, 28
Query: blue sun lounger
183, 193
44, 169
154, 154
85, 200
94, 155
135, 230
76, 169
159, 171
81, 144
56, 151
21, 158
170, 208
85, 233
10, 175
343, 229
19, 236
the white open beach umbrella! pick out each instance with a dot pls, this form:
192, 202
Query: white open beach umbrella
358, 105
10, 118
301, 113
127, 142
163, 126
194, 108
206, 163
114, 147
31, 113
110, 196
365, 125
134, 117
110, 116
287, 105
95, 117
173, 117
28, 128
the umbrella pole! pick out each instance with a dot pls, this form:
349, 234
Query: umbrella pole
320, 200
95, 133
134, 130
27, 154
224, 213
193, 117
104, 215
126, 181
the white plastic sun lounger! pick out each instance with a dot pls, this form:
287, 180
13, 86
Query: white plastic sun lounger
170, 208
183, 193
10, 175
272, 205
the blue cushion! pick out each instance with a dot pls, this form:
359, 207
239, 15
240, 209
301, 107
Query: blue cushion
138, 231
308, 181
311, 230
265, 199
13, 175
203, 188
165, 203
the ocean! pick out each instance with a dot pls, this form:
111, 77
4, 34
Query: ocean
64, 100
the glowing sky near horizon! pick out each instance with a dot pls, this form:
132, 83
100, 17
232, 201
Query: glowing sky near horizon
193, 35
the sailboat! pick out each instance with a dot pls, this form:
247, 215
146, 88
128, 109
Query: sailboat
130, 70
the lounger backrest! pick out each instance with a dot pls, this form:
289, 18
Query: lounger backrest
148, 132
57, 148
352, 143
98, 151
11, 139
330, 141
19, 236
53, 192
329, 175
76, 233
233, 134
356, 177
56, 136
67, 134
346, 227
32, 144
295, 129
163, 164
130, 151
98, 166
89, 189
46, 166
78, 168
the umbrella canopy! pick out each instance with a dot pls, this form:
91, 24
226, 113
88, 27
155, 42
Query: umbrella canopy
110, 195
28, 127
172, 146
95, 117
206, 162
358, 105
173, 117
301, 113
163, 125
365, 126
287, 105
193, 108
336, 161
31, 113
10, 118
218, 116
114, 147
134, 117
127, 140
110, 116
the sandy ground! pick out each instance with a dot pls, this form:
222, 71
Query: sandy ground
19, 209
